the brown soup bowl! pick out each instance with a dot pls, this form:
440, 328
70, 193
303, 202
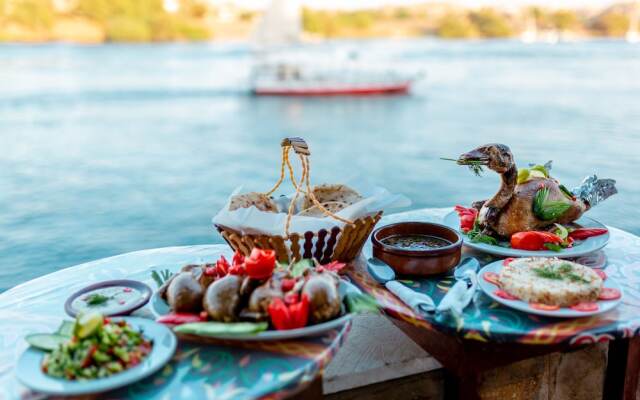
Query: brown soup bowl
419, 262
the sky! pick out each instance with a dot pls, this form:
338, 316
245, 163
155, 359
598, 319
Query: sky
352, 4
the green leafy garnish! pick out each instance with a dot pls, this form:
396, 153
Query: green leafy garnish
96, 299
483, 238
359, 303
546, 209
477, 236
553, 247
576, 278
561, 231
548, 273
298, 268
474, 166
566, 192
562, 272
162, 277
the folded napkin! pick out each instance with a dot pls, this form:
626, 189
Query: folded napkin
460, 294
419, 302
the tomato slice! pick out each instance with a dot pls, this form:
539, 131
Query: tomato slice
601, 273
507, 261
491, 277
609, 294
543, 307
505, 295
585, 306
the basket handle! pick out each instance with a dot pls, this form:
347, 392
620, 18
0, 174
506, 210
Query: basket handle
300, 147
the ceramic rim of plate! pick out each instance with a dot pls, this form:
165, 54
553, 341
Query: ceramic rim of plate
588, 246
145, 292
563, 312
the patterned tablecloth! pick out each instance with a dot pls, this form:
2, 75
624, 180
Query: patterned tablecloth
488, 321
264, 370
276, 369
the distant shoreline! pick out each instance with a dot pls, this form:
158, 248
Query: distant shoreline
86, 22
227, 41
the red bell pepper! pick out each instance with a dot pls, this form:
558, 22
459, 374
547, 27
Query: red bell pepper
467, 216
585, 233
287, 284
237, 269
289, 316
335, 266
260, 264
533, 240
238, 258
87, 360
180, 318
222, 266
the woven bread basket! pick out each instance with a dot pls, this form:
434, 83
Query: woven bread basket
338, 244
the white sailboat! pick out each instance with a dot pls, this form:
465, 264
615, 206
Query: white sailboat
283, 67
633, 36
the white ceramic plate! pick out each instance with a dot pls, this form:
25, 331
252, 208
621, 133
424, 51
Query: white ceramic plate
579, 249
489, 288
30, 374
159, 307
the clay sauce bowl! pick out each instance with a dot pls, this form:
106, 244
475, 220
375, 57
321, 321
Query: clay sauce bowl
418, 262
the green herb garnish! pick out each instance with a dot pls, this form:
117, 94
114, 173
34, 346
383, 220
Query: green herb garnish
97, 299
566, 192
576, 278
474, 166
548, 273
298, 268
161, 277
483, 238
561, 231
553, 246
564, 271
546, 209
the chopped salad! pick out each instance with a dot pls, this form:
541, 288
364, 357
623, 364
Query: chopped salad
98, 347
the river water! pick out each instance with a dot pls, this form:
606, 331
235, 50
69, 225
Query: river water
114, 148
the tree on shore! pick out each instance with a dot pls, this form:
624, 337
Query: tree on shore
612, 23
491, 24
565, 20
456, 26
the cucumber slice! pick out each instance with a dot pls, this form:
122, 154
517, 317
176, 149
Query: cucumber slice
46, 341
221, 328
66, 328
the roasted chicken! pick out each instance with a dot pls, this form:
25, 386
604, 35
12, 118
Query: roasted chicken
536, 202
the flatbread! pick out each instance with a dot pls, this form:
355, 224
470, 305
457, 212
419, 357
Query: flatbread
261, 201
332, 194
315, 211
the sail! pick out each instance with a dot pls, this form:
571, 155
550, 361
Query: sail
633, 36
279, 26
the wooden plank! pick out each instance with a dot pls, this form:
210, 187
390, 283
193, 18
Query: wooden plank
424, 386
375, 351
